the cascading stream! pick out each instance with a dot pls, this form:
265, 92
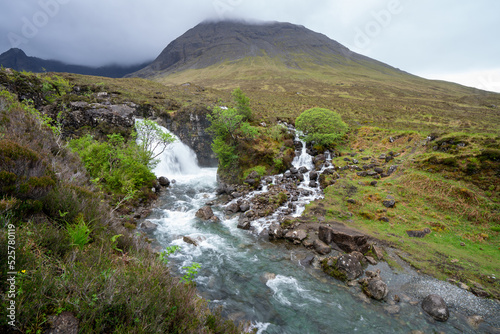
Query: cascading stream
256, 280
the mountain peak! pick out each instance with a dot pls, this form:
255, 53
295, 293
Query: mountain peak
216, 42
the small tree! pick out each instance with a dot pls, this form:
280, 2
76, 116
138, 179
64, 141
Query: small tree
152, 139
242, 104
322, 126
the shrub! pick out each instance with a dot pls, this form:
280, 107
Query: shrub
79, 232
23, 173
322, 126
242, 104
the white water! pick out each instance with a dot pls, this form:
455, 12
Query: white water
235, 264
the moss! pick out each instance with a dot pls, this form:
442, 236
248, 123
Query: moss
329, 266
490, 154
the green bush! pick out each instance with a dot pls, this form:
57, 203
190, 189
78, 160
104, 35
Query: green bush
118, 167
321, 126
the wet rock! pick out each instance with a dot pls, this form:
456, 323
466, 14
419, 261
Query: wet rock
267, 277
298, 235
232, 208
303, 170
276, 231
321, 247
474, 321
313, 176
392, 309
205, 213
294, 170
163, 181
349, 267
375, 288
345, 238
418, 233
189, 240
313, 184
436, 307
148, 226
244, 224
371, 260
244, 207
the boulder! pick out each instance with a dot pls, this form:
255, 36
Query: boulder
313, 184
189, 240
436, 307
345, 238
303, 170
244, 224
163, 181
313, 176
232, 208
418, 233
276, 232
349, 267
321, 247
205, 213
389, 203
296, 235
244, 207
148, 226
375, 288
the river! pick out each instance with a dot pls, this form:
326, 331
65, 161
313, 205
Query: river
268, 283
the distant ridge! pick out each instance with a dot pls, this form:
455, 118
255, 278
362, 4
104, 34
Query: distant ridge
19, 61
212, 43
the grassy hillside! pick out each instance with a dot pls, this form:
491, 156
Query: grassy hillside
364, 94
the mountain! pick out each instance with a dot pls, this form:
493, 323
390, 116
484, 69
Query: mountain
231, 42
19, 61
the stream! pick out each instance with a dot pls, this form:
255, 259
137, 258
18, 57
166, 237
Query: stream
269, 284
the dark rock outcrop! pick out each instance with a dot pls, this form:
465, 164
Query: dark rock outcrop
189, 124
345, 238
148, 226
206, 213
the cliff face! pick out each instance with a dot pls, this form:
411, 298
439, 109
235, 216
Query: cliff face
189, 124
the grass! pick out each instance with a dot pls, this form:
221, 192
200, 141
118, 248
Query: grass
464, 243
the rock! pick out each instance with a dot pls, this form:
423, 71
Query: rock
313, 184
436, 307
244, 224
474, 321
376, 289
479, 292
392, 169
244, 207
64, 323
349, 267
345, 238
371, 173
373, 183
382, 156
276, 232
392, 309
214, 219
148, 226
205, 213
313, 176
389, 203
296, 235
189, 240
378, 252
351, 201
384, 219
418, 233
303, 170
362, 174
321, 247
371, 260
378, 170
232, 208
163, 181
294, 170
267, 277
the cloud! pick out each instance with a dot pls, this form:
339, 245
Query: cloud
423, 36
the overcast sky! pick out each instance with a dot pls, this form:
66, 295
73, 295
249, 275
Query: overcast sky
455, 40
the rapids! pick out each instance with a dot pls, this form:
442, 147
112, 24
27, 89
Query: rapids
267, 283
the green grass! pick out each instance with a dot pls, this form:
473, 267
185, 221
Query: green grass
454, 205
